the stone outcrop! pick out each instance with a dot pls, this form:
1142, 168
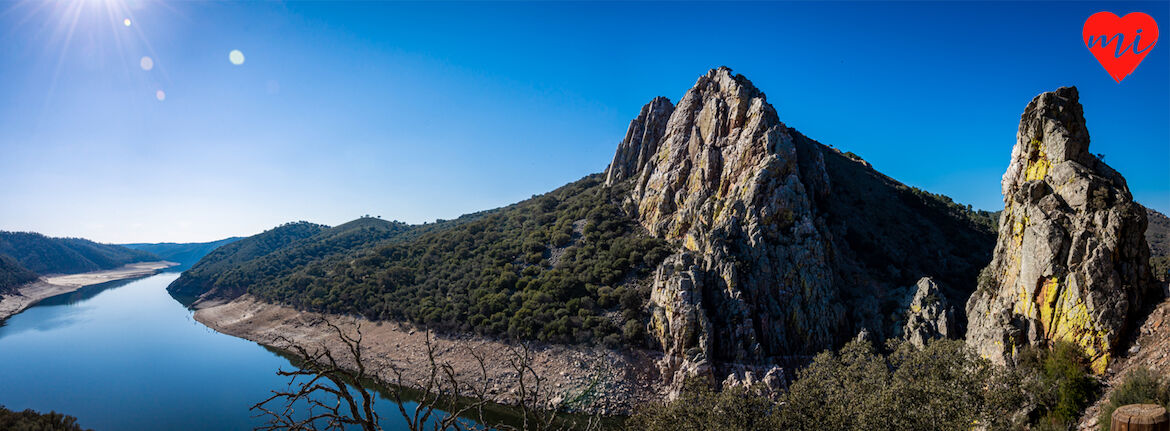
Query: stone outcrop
752, 279
641, 142
929, 315
782, 242
1071, 262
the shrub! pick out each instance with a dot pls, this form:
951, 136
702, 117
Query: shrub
942, 386
1139, 386
1065, 386
33, 421
699, 407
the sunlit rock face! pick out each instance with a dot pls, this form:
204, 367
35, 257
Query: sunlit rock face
753, 279
785, 247
929, 315
1071, 262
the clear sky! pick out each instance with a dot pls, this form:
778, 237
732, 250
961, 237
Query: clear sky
418, 111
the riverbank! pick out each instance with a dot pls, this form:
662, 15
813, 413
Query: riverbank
600, 379
49, 286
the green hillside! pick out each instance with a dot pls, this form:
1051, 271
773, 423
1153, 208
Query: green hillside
12, 274
44, 255
560, 267
276, 253
204, 275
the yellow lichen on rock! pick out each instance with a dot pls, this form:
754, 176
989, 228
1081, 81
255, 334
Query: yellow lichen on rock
1038, 165
1063, 318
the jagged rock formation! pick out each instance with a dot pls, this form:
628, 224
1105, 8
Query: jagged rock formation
1071, 262
785, 245
929, 314
724, 180
641, 142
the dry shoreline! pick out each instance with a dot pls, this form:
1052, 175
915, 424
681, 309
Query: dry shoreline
48, 286
615, 383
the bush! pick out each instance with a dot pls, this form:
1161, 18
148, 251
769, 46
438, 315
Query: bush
29, 420
942, 386
1065, 386
1139, 386
700, 408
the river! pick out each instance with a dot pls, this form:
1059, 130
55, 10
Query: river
125, 355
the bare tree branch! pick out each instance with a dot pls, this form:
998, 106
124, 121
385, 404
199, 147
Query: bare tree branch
334, 397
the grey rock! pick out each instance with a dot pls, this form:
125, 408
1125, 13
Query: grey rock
1071, 262
776, 257
928, 315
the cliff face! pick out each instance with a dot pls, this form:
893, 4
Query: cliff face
774, 240
1071, 262
724, 181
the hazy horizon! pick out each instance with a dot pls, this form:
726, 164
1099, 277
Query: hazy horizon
424, 111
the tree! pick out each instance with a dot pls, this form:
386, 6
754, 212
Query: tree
337, 397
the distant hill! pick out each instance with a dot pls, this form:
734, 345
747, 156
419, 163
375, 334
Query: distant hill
44, 255
25, 255
184, 254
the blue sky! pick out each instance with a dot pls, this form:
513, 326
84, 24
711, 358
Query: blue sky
418, 111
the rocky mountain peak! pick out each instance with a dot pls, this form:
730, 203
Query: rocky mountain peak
641, 141
1052, 130
781, 243
720, 175
1071, 262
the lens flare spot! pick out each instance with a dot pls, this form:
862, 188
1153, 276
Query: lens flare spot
146, 63
236, 57
126, 22
160, 95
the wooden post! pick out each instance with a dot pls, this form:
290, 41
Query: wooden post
1140, 417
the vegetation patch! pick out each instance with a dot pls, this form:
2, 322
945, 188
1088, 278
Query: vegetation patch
944, 385
490, 274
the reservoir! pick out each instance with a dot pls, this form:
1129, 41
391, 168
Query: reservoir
125, 355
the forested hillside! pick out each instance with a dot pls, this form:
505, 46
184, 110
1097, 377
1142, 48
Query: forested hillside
277, 252
203, 276
12, 274
44, 255
561, 267
184, 254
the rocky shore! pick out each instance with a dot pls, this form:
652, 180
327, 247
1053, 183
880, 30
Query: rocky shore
49, 286
585, 379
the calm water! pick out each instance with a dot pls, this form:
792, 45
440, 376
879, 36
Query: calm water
126, 356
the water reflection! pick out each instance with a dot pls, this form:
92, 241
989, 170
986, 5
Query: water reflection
124, 355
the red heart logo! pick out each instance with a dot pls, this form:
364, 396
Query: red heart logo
1120, 43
